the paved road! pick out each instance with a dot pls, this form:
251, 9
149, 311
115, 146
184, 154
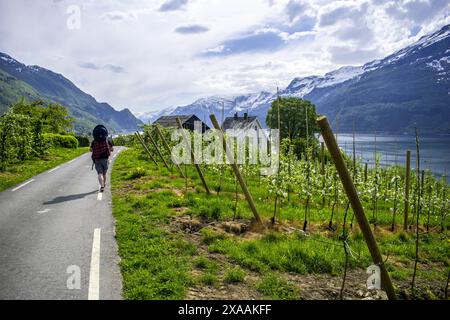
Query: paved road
57, 237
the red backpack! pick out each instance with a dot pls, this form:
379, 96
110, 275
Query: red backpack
101, 150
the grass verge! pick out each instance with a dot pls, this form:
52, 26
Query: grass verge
19, 172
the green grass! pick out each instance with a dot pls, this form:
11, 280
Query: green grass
205, 264
235, 275
22, 171
156, 263
274, 287
290, 254
209, 279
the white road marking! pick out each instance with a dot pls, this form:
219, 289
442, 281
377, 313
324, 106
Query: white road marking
71, 161
54, 169
100, 196
94, 274
44, 211
23, 185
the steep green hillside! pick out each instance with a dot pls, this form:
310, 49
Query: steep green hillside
12, 90
48, 85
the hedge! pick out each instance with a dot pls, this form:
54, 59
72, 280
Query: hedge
83, 141
59, 140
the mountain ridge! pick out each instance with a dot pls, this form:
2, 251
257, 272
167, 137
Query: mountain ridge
405, 89
54, 87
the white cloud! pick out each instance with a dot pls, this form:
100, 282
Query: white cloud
129, 54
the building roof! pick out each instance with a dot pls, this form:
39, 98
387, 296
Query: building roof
171, 121
186, 121
240, 123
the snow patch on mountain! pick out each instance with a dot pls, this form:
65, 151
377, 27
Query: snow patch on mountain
440, 65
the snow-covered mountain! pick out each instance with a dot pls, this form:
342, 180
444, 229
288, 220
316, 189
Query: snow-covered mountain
300, 87
408, 88
215, 104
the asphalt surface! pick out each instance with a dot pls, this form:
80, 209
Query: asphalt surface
47, 245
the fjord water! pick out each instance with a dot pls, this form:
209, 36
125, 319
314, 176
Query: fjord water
434, 150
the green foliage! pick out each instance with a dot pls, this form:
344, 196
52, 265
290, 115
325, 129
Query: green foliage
54, 117
59, 140
15, 138
293, 119
83, 141
125, 141
30, 129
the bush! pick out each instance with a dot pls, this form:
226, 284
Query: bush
58, 140
125, 141
83, 141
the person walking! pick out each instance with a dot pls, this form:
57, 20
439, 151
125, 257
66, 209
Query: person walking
101, 149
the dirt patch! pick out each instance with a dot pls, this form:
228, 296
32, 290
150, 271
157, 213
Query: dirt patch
244, 229
310, 287
132, 187
222, 290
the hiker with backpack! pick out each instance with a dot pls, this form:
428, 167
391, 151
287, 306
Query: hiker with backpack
101, 149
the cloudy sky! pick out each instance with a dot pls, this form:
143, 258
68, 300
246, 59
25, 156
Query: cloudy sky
151, 54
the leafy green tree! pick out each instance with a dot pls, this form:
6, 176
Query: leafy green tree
297, 123
7, 151
56, 119
53, 117
293, 118
23, 136
15, 138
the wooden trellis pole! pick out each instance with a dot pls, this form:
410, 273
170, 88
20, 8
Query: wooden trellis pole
322, 169
407, 188
166, 145
197, 166
357, 207
237, 173
159, 152
138, 135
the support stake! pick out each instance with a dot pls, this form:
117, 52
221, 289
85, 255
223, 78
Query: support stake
407, 188
357, 207
138, 135
166, 145
237, 173
197, 166
159, 152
